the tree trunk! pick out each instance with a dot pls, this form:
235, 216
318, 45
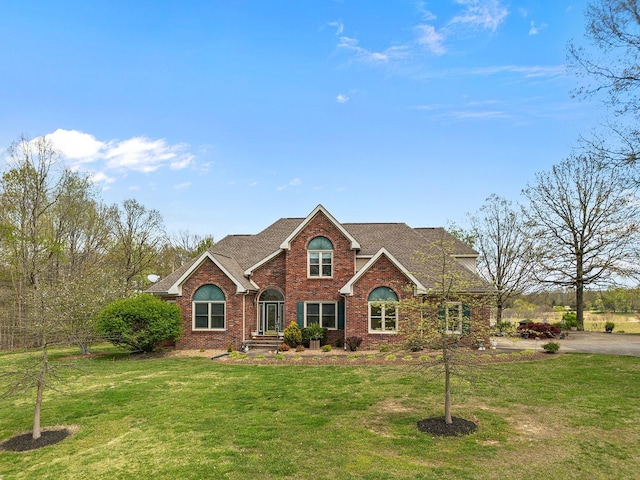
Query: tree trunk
499, 310
447, 385
40, 389
580, 292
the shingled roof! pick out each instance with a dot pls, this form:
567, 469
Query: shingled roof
420, 253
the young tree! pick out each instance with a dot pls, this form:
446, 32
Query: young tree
585, 224
453, 314
505, 249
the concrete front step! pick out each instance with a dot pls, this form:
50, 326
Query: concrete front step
263, 341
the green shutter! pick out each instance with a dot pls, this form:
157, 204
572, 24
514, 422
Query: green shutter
341, 315
300, 312
442, 319
466, 319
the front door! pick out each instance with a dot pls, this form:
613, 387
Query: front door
272, 321
271, 317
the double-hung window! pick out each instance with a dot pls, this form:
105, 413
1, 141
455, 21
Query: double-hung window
383, 311
320, 258
323, 313
456, 318
209, 308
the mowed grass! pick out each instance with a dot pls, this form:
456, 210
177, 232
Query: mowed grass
567, 417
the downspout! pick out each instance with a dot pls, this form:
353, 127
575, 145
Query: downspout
244, 316
344, 342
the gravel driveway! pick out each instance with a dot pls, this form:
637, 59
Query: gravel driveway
583, 342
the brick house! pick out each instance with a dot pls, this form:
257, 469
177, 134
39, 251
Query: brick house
315, 270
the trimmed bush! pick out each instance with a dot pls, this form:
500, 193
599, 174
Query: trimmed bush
545, 330
140, 323
292, 335
551, 347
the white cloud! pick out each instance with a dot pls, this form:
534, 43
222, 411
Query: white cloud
339, 26
534, 30
342, 98
488, 14
428, 37
182, 185
101, 177
391, 53
295, 182
139, 154
77, 146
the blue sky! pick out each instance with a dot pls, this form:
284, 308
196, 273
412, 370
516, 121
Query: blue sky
226, 115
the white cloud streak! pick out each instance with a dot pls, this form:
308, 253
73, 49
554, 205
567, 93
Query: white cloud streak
487, 14
139, 154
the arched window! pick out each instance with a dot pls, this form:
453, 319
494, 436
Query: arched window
209, 306
320, 258
383, 316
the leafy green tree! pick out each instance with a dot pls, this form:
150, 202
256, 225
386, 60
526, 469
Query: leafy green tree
140, 323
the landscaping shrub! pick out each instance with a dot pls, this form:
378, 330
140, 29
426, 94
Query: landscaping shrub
534, 329
313, 332
326, 348
140, 323
299, 348
292, 335
353, 343
570, 319
551, 347
284, 347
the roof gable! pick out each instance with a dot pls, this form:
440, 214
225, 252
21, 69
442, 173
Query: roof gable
348, 288
286, 244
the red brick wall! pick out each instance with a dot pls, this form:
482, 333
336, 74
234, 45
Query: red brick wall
270, 275
209, 273
382, 274
299, 287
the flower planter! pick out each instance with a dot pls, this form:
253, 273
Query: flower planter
314, 344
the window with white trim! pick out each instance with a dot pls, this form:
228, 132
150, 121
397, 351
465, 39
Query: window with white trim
209, 308
453, 318
320, 258
324, 313
383, 311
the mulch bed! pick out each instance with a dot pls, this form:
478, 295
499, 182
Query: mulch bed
25, 442
437, 427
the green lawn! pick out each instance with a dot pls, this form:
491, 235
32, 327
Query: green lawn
570, 416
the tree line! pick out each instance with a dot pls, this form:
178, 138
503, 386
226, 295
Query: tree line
65, 254
578, 224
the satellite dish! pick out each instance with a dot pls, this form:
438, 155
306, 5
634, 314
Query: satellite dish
153, 278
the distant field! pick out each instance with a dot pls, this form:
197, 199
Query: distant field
594, 322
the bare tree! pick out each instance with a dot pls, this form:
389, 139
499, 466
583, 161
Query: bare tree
181, 247
139, 237
584, 218
613, 27
504, 246
610, 70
